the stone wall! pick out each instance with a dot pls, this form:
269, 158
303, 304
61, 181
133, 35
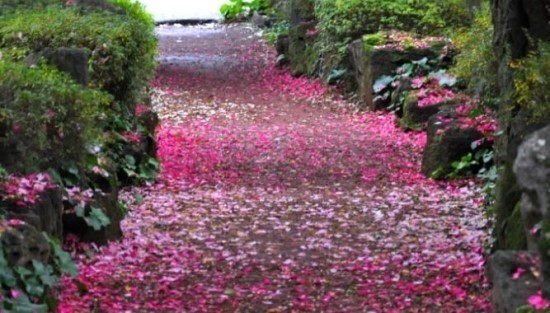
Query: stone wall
522, 188
515, 21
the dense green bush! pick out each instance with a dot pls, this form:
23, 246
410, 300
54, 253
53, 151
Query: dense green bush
122, 49
10, 6
136, 11
45, 117
531, 83
235, 9
476, 66
341, 21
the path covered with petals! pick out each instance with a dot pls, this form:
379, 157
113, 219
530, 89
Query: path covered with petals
274, 197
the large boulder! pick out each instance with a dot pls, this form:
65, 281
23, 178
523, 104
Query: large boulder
517, 24
300, 11
45, 214
24, 243
415, 114
302, 55
449, 139
532, 168
512, 280
370, 64
297, 48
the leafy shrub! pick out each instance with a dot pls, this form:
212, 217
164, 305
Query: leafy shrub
45, 117
123, 49
341, 21
10, 6
239, 8
476, 66
277, 30
531, 82
136, 11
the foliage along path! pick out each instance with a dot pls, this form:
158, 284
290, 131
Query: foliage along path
274, 198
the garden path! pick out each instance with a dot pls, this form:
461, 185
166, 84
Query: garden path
275, 197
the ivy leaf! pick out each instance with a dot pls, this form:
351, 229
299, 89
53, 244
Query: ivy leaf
7, 277
443, 78
382, 83
63, 260
23, 305
97, 219
45, 273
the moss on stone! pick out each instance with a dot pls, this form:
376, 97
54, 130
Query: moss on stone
372, 40
515, 238
507, 196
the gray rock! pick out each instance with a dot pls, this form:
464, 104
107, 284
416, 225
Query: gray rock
45, 215
282, 44
532, 168
73, 61
302, 55
358, 62
509, 293
259, 20
414, 116
531, 216
24, 243
301, 11
507, 192
368, 66
514, 22
448, 141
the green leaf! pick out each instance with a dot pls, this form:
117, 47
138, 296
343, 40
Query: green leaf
382, 83
97, 219
130, 160
45, 273
443, 78
63, 260
80, 211
23, 305
139, 198
7, 277
335, 75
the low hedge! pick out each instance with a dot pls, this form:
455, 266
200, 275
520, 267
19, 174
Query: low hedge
123, 48
45, 117
10, 6
341, 21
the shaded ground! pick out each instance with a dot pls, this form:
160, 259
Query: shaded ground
274, 198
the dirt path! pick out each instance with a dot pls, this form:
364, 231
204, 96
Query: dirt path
273, 199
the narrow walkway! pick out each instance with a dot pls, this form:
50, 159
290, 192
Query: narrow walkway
273, 199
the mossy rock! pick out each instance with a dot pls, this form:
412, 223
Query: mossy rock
108, 203
385, 61
415, 117
448, 142
300, 11
515, 239
372, 40
302, 54
24, 243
